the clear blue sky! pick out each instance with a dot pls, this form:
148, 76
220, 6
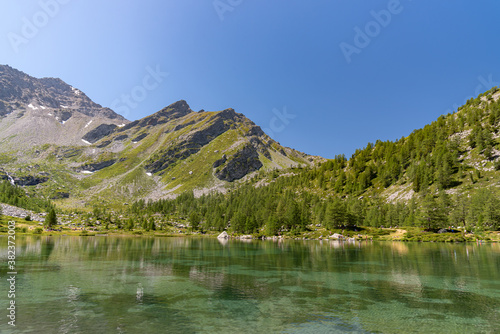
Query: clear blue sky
257, 56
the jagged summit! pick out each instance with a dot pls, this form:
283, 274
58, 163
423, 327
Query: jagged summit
19, 90
175, 110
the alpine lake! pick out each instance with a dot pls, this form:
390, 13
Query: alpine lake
103, 284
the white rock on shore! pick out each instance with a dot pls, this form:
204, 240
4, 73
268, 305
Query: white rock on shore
223, 235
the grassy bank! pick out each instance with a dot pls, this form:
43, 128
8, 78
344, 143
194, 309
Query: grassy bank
409, 234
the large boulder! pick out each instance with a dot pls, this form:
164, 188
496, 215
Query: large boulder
223, 235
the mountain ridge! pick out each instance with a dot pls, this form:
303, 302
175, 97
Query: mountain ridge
86, 152
18, 87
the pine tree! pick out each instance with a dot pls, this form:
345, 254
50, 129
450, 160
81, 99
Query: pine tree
335, 214
130, 224
431, 215
194, 220
459, 211
152, 225
51, 219
272, 227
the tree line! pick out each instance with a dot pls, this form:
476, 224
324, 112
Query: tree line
16, 196
271, 210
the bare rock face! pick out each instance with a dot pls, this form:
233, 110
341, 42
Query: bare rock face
140, 137
175, 110
240, 164
189, 144
98, 133
30, 180
35, 112
220, 161
94, 167
19, 89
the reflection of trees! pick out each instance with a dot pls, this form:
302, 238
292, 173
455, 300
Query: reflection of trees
180, 255
301, 277
47, 246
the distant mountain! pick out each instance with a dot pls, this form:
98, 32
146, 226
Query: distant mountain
72, 149
45, 111
19, 90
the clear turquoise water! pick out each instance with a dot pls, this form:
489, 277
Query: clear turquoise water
184, 285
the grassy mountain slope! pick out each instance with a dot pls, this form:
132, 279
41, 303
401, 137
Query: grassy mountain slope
175, 150
162, 155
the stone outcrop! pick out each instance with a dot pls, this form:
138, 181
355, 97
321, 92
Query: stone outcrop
5, 108
140, 137
120, 137
188, 144
99, 132
94, 167
240, 164
175, 110
220, 162
30, 180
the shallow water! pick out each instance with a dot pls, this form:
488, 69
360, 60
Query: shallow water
186, 285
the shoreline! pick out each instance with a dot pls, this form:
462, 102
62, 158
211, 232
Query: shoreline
360, 233
244, 238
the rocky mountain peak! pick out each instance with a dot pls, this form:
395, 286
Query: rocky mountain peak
20, 91
180, 106
175, 110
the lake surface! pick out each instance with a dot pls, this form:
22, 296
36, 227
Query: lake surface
186, 285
